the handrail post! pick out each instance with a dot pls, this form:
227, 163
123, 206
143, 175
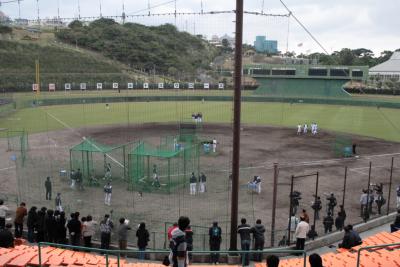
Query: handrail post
107, 258
40, 255
118, 258
358, 256
304, 259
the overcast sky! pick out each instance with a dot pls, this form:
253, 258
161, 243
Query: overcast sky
336, 24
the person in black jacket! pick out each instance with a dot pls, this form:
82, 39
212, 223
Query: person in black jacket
6, 237
215, 234
41, 230
32, 224
258, 235
244, 230
50, 226
47, 185
143, 239
340, 219
328, 223
189, 241
74, 228
61, 231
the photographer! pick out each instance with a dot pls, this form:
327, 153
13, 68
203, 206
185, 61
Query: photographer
331, 203
317, 206
294, 198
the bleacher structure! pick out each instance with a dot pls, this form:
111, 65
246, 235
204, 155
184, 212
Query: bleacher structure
386, 256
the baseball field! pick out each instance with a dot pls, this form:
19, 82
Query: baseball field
268, 136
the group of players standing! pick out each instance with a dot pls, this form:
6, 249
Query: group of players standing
303, 129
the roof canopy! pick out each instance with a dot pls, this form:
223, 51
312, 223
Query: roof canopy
90, 145
145, 149
392, 65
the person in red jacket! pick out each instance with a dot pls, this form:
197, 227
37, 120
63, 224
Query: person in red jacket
20, 214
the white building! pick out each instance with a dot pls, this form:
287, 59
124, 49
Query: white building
389, 69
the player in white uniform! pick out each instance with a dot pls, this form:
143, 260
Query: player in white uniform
298, 129
305, 129
315, 128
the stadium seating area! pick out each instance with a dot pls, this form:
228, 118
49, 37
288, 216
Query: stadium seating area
25, 255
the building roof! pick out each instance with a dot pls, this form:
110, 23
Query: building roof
392, 65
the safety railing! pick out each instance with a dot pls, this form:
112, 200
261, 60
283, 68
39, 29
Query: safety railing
118, 254
373, 247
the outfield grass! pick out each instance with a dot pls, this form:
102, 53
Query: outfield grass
367, 121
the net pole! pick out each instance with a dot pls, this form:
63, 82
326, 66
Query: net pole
390, 187
274, 194
236, 124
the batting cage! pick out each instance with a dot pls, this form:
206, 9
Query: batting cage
343, 146
96, 161
166, 167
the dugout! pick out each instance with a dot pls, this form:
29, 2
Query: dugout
173, 161
92, 158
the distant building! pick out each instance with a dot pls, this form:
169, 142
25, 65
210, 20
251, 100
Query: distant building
4, 19
263, 45
217, 41
387, 70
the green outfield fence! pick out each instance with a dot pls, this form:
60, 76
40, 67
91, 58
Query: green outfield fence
294, 100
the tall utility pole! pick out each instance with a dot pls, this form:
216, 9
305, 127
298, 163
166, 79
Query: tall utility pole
123, 13
101, 15
58, 10
79, 10
148, 6
236, 124
38, 12
19, 9
37, 75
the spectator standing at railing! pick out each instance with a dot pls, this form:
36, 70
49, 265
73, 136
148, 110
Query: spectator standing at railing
74, 229
398, 196
301, 234
89, 230
215, 234
61, 232
143, 238
123, 229
41, 229
170, 229
304, 214
50, 226
364, 203
31, 223
20, 214
189, 241
340, 219
244, 230
258, 231
178, 256
3, 214
6, 237
106, 226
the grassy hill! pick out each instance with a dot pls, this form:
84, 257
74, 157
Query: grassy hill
160, 48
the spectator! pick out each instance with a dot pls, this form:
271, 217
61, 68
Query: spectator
178, 246
170, 229
301, 234
215, 234
340, 219
6, 237
380, 201
371, 201
89, 231
3, 214
398, 196
315, 260
293, 225
244, 231
61, 233
350, 239
47, 186
123, 229
395, 226
50, 226
41, 230
258, 235
74, 229
328, 223
272, 261
20, 214
32, 224
355, 235
189, 241
106, 226
143, 238
304, 214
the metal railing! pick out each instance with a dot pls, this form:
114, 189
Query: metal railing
120, 253
372, 247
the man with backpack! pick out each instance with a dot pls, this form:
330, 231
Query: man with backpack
244, 230
178, 256
215, 233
